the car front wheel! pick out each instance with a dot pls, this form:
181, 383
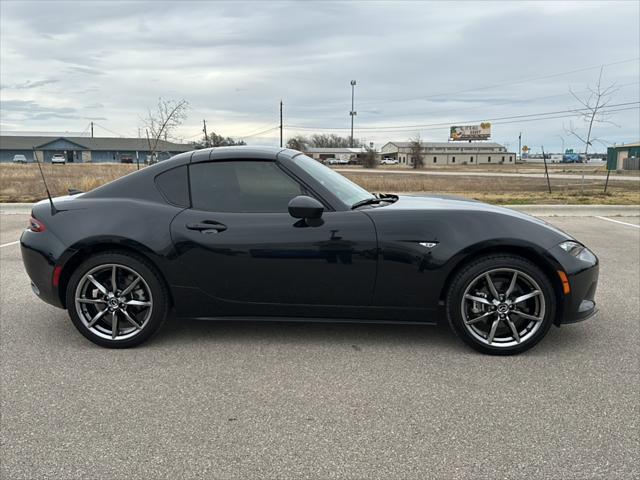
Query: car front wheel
117, 299
501, 304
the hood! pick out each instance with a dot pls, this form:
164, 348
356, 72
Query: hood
451, 203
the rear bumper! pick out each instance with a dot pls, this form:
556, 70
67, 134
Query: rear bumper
39, 264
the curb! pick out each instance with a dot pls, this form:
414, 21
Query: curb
536, 210
578, 210
15, 208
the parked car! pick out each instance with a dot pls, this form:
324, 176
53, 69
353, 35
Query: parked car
58, 158
19, 159
388, 161
126, 159
338, 161
247, 232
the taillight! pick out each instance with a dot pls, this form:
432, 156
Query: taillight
36, 225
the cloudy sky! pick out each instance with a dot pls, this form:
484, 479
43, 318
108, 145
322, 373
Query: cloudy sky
419, 67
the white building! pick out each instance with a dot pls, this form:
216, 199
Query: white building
450, 153
350, 155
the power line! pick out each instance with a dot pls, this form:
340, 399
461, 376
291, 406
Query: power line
260, 133
413, 127
488, 105
110, 131
488, 87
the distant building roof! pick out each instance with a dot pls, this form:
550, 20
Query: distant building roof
335, 150
19, 142
449, 144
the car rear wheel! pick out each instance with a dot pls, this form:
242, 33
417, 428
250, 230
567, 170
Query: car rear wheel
117, 300
501, 304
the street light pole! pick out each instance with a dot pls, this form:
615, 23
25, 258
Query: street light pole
352, 113
519, 147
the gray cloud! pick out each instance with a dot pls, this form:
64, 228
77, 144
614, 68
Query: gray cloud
415, 63
30, 84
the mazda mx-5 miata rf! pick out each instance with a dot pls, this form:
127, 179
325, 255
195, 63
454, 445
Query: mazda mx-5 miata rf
268, 233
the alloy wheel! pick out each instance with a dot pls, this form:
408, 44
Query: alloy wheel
113, 301
503, 307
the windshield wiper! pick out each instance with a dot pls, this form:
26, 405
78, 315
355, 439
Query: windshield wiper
367, 201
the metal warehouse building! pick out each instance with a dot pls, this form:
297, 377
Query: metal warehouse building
450, 153
85, 149
624, 157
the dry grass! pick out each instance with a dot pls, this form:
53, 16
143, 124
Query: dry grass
503, 190
22, 183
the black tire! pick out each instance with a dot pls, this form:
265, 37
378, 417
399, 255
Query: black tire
473, 272
151, 278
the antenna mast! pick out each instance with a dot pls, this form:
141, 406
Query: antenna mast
54, 210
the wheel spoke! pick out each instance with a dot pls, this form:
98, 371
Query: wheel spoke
138, 303
480, 318
478, 299
131, 286
90, 300
527, 296
98, 285
527, 316
114, 285
514, 330
492, 333
114, 325
512, 285
97, 317
492, 287
131, 320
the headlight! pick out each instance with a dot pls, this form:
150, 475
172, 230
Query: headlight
579, 251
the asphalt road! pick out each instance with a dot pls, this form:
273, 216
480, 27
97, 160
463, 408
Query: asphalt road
251, 400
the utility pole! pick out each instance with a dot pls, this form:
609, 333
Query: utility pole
353, 113
206, 137
546, 172
91, 129
280, 123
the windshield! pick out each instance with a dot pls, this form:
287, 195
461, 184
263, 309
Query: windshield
343, 188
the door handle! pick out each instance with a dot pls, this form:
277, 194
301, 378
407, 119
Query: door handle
207, 226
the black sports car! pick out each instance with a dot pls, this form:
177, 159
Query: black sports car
269, 233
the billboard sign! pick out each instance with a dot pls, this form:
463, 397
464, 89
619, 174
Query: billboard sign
471, 132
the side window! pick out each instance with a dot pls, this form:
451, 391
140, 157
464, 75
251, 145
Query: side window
173, 185
242, 186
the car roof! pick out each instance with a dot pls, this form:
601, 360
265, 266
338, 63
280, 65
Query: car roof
225, 153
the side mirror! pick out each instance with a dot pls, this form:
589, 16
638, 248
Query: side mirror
305, 207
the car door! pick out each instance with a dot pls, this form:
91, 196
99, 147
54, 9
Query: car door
240, 244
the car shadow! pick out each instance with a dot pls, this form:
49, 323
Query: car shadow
180, 330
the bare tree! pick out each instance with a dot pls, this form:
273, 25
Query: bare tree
593, 113
161, 122
299, 142
370, 157
215, 140
332, 140
415, 146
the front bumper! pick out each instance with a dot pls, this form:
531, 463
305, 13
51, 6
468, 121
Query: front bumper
579, 304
